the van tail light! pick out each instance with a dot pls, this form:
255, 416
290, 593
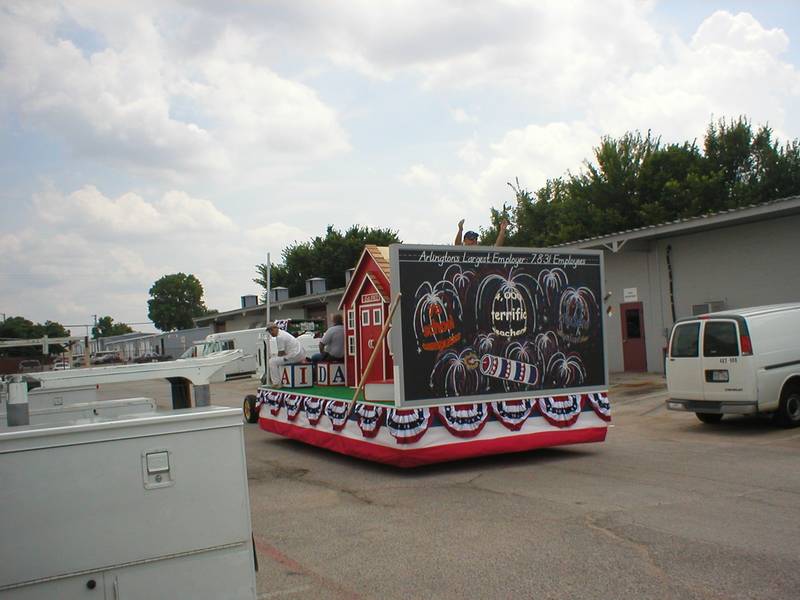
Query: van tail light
747, 347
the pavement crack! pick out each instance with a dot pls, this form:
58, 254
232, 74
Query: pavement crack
641, 549
648, 560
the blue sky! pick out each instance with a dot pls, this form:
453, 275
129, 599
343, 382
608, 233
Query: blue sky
144, 138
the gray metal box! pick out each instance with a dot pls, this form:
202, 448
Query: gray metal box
151, 506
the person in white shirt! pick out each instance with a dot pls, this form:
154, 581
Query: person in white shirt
289, 351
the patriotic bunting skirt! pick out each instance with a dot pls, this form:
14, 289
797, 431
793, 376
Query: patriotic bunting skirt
409, 437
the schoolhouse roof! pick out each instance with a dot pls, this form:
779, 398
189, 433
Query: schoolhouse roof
380, 256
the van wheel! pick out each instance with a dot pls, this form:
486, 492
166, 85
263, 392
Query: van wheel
709, 418
249, 409
789, 409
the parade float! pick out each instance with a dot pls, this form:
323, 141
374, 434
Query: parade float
453, 352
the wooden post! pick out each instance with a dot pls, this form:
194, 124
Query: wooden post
384, 330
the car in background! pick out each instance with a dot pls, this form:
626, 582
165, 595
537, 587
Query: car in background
61, 364
151, 357
106, 358
29, 366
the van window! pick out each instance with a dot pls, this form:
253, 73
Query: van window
720, 339
685, 341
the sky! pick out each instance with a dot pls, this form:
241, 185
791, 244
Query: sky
139, 139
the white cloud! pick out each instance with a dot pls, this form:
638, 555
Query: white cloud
461, 116
470, 152
550, 50
420, 175
140, 104
731, 67
130, 215
739, 32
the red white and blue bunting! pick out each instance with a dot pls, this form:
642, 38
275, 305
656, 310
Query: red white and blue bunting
560, 411
601, 405
407, 426
463, 420
370, 419
513, 413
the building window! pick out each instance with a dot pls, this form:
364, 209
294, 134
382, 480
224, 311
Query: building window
351, 319
377, 316
351, 345
365, 316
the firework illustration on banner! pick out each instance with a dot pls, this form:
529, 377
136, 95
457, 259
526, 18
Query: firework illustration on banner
546, 344
460, 278
437, 316
511, 303
576, 314
458, 373
551, 282
565, 370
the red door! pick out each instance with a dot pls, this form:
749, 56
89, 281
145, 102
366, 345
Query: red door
370, 321
634, 354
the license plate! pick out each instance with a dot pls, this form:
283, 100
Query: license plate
675, 405
719, 376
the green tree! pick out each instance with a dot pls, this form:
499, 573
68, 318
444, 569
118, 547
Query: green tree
635, 181
174, 300
106, 327
329, 257
22, 328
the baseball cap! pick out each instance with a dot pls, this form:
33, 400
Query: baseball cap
470, 235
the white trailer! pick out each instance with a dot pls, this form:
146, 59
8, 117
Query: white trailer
140, 506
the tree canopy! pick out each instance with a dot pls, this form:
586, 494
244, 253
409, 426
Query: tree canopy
329, 257
174, 300
106, 327
636, 180
22, 328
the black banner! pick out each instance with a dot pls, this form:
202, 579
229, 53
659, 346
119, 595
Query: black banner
490, 323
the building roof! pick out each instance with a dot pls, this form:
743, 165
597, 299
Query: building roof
125, 337
380, 256
725, 218
296, 301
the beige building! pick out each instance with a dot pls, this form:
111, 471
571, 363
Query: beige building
319, 305
732, 259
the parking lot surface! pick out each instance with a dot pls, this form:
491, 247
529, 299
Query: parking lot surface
667, 507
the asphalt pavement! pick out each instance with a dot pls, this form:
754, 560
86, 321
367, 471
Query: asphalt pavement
666, 507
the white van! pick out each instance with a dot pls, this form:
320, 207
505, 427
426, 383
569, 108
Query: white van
743, 361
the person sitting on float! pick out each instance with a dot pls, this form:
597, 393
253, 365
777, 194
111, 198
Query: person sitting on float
289, 351
471, 238
331, 346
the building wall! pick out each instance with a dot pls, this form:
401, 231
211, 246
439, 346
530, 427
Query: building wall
176, 343
631, 269
745, 265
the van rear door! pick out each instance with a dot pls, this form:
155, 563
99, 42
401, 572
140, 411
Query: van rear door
726, 371
684, 367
